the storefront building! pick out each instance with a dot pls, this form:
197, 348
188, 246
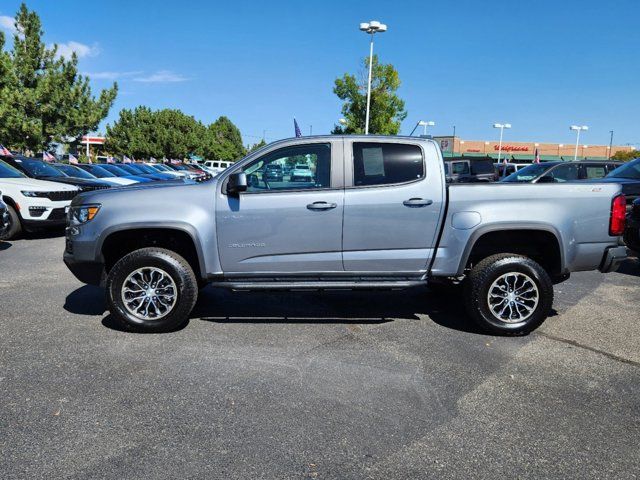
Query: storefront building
524, 151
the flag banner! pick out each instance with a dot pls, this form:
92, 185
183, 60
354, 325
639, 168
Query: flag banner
175, 162
47, 157
111, 160
152, 160
537, 156
5, 151
73, 160
296, 127
126, 159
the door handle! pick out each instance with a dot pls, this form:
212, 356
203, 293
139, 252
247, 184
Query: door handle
321, 206
417, 202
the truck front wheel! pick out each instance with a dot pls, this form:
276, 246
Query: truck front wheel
151, 290
508, 294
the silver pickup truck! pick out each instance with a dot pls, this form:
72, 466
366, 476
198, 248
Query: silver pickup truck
375, 213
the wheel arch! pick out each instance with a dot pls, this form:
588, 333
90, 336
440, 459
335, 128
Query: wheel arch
180, 238
542, 242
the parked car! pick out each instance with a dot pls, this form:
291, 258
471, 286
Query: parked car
4, 217
119, 172
32, 204
144, 171
627, 175
560, 172
217, 166
469, 170
379, 215
273, 173
77, 172
181, 167
162, 168
632, 232
301, 173
42, 170
506, 169
105, 175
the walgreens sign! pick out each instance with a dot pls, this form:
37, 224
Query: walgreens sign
512, 148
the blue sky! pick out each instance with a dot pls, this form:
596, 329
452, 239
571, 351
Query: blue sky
540, 65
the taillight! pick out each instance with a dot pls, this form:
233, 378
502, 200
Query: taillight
618, 214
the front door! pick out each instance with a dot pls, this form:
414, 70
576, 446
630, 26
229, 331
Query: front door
283, 223
392, 207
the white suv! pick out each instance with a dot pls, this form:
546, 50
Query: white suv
31, 203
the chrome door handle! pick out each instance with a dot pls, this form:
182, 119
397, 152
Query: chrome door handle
321, 206
417, 202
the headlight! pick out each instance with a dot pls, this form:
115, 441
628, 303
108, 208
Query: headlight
30, 194
83, 214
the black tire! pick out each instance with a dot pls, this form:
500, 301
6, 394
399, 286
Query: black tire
176, 267
15, 226
490, 270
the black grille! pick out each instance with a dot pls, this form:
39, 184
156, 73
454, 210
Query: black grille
57, 214
59, 196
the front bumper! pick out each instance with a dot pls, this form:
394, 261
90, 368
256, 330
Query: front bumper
612, 259
87, 272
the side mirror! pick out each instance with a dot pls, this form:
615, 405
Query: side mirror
237, 183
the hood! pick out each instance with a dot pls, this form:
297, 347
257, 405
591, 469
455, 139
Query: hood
141, 194
80, 182
37, 185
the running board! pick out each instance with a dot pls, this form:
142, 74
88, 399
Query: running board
319, 285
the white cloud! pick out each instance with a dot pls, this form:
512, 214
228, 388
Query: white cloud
110, 75
162, 76
8, 24
81, 50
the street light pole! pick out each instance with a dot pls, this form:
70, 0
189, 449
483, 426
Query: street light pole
501, 126
577, 129
371, 28
423, 123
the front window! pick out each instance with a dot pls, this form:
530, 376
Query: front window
7, 171
386, 163
628, 170
311, 169
527, 174
38, 168
75, 172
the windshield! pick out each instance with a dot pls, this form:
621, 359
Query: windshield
302, 167
129, 168
527, 174
145, 168
7, 171
74, 172
628, 170
100, 172
162, 168
38, 168
117, 171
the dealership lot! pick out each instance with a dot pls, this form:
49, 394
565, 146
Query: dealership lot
309, 385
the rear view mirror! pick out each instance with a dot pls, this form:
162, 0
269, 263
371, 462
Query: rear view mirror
237, 183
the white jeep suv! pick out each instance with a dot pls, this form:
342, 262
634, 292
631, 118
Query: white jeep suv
31, 203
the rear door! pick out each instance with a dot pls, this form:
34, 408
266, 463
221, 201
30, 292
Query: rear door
392, 206
278, 225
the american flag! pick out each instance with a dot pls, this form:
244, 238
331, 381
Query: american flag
537, 156
110, 159
296, 127
152, 160
5, 151
47, 157
73, 159
175, 162
126, 159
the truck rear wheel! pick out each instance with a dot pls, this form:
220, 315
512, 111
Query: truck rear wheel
151, 290
15, 227
508, 294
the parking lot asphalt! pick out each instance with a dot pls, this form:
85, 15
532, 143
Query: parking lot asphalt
384, 385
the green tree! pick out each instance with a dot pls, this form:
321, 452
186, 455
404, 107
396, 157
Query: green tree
223, 141
256, 146
625, 156
143, 133
387, 109
43, 97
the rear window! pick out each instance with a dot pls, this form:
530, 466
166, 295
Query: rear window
459, 168
386, 163
481, 167
595, 171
